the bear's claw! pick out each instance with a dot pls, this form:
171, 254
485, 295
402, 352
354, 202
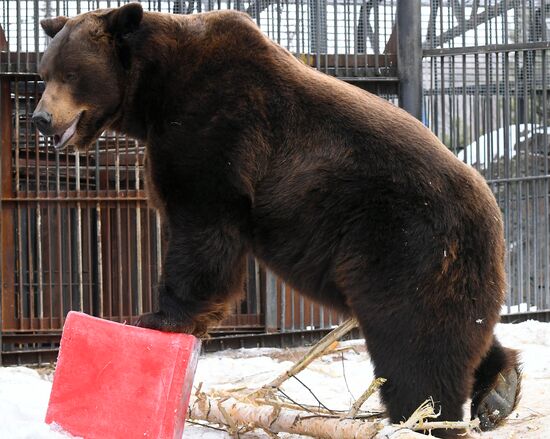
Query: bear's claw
163, 322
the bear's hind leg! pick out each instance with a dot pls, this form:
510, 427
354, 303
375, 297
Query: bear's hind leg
420, 360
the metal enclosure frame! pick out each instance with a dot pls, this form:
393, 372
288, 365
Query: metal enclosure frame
76, 231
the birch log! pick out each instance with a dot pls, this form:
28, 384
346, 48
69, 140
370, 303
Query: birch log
234, 414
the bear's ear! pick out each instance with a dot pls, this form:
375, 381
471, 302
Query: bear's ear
53, 25
124, 20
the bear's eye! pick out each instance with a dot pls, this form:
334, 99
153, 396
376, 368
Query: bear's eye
70, 76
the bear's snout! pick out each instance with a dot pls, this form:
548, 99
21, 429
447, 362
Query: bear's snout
43, 121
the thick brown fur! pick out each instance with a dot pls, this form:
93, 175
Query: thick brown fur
346, 197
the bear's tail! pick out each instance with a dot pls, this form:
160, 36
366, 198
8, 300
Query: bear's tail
497, 386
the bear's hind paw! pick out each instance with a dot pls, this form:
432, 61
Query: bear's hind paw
497, 405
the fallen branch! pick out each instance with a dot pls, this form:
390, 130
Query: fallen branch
327, 343
272, 399
425, 411
374, 386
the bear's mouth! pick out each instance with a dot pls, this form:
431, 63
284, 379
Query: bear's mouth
61, 140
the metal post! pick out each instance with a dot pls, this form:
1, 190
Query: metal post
6, 219
271, 302
409, 56
318, 28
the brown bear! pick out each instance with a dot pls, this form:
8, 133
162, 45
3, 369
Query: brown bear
347, 198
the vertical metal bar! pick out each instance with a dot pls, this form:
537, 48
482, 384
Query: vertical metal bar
546, 140
129, 268
21, 284
336, 52
7, 244
159, 244
278, 11
535, 247
99, 259
50, 245
258, 287
287, 24
3, 42
109, 270
148, 272
347, 37
59, 214
40, 265
118, 213
355, 26
79, 234
31, 249
519, 204
19, 36
19, 237
532, 185
292, 313
129, 241
302, 322
363, 30
36, 31
505, 23
92, 307
442, 107
271, 302
509, 231
89, 215
452, 103
307, 50
409, 56
297, 30
464, 105
138, 236
283, 307
376, 38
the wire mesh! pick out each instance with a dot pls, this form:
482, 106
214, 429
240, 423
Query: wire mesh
83, 235
486, 95
335, 36
77, 225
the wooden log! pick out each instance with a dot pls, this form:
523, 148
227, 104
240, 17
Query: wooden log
238, 417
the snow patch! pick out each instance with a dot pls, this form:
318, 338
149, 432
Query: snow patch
24, 393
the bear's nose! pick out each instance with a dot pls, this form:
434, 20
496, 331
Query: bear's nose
43, 121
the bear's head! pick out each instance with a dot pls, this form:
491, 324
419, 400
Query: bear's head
84, 69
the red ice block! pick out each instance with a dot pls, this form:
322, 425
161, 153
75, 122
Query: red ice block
119, 381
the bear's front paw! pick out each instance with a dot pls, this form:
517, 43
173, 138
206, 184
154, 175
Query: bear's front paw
163, 322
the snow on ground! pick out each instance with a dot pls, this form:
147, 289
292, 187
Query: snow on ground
24, 392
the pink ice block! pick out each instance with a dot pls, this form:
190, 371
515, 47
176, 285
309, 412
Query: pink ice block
118, 381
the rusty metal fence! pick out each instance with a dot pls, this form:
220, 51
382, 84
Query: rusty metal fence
77, 234
76, 231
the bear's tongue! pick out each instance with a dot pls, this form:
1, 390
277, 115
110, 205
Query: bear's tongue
60, 140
